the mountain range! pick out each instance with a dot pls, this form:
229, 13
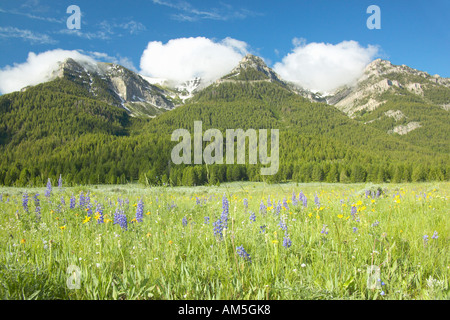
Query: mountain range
103, 123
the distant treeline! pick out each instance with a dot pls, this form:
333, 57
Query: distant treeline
59, 128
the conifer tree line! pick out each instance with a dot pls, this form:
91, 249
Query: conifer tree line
58, 128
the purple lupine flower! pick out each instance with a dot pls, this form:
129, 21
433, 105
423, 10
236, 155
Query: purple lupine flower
89, 209
37, 206
367, 193
294, 199
305, 201
225, 207
302, 198
378, 193
324, 229
262, 208
63, 202
283, 225
117, 214
60, 183
72, 202
316, 201
355, 229
218, 228
99, 210
1, 197
25, 201
122, 221
376, 223
287, 241
184, 221
87, 199
171, 206
263, 229
285, 205
206, 220
278, 208
81, 200
243, 254
48, 191
435, 235
140, 211
197, 201
245, 203
353, 213
425, 239
222, 222
253, 217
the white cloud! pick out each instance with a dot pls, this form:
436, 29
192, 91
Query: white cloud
182, 59
325, 67
223, 12
37, 69
104, 57
26, 35
100, 35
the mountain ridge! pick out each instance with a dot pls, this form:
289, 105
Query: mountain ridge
76, 125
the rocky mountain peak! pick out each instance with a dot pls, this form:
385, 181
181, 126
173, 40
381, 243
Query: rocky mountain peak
116, 85
251, 61
252, 68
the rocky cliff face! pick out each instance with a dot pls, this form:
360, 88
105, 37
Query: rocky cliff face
381, 76
251, 68
117, 85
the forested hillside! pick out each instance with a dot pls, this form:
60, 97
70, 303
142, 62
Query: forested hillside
58, 128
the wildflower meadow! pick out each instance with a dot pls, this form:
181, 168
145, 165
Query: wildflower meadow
234, 241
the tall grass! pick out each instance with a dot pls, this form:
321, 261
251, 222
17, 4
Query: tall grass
162, 258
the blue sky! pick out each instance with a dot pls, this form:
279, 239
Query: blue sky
414, 33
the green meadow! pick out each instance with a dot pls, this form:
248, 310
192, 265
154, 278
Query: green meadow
233, 241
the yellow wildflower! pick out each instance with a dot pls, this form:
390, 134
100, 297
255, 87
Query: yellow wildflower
63, 227
86, 219
340, 216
